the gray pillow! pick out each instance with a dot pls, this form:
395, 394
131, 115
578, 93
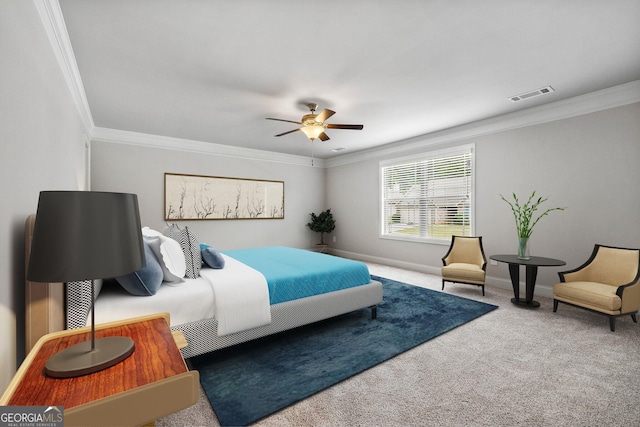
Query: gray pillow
144, 282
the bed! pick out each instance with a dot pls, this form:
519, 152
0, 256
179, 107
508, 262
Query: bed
295, 296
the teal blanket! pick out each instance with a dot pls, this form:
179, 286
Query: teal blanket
297, 273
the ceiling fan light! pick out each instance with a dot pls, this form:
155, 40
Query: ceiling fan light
312, 131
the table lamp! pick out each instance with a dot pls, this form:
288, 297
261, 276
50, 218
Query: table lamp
82, 236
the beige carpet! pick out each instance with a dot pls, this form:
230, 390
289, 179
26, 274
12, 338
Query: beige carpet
511, 367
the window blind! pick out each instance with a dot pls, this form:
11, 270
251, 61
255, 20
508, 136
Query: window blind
428, 196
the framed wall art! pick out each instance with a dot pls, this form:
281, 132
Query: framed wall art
197, 197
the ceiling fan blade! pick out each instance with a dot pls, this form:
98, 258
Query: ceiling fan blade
352, 127
285, 133
324, 137
282, 120
324, 115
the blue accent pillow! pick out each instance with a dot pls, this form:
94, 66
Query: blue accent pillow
211, 257
144, 282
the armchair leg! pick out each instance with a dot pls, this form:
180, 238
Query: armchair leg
555, 305
634, 318
482, 290
443, 284
612, 323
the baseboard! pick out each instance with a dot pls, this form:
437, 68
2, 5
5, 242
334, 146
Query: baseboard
497, 282
387, 261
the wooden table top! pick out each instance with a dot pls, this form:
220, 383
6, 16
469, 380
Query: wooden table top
536, 261
156, 357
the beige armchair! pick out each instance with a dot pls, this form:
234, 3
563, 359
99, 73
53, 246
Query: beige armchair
608, 283
465, 262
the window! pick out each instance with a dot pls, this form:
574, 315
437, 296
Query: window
428, 197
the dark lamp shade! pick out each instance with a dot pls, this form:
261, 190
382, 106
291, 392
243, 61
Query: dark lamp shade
84, 235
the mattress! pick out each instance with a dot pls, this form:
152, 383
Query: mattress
189, 301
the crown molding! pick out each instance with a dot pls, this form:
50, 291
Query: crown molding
616, 96
604, 99
55, 27
53, 23
188, 145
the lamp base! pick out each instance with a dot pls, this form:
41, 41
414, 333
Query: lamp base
80, 360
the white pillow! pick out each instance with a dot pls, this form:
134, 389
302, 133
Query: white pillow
169, 253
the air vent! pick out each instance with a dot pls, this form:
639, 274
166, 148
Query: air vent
532, 94
335, 150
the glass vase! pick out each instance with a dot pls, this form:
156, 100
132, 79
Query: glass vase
523, 248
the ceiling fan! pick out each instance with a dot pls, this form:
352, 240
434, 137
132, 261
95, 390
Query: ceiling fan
313, 125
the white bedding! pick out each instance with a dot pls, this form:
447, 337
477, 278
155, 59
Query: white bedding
237, 295
190, 301
241, 297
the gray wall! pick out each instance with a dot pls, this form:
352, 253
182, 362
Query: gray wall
140, 170
41, 135
587, 163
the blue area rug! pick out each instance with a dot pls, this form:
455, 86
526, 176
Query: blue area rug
250, 381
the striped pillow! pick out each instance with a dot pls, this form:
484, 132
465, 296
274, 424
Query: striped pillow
190, 248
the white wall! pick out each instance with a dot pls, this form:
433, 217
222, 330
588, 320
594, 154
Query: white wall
588, 163
41, 138
140, 170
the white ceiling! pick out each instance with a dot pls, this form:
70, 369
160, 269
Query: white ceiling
212, 71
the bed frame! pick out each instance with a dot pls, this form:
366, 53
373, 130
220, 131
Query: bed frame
54, 307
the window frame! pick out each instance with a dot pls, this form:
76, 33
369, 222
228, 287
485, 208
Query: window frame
415, 158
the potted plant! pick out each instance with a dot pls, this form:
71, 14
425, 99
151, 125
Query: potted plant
524, 219
322, 223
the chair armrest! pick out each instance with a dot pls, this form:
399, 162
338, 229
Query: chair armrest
630, 297
445, 258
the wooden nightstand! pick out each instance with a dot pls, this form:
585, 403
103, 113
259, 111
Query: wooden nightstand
151, 383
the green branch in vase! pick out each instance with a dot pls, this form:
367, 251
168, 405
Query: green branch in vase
523, 213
